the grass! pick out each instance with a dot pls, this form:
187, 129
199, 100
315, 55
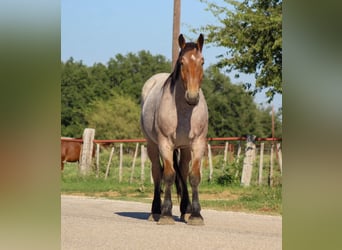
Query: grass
224, 195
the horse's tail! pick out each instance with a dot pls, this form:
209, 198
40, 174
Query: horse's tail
178, 181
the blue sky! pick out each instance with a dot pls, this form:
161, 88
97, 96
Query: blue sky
95, 31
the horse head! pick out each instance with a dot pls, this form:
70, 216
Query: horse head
191, 67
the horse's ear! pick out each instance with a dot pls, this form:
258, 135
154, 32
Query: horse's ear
200, 42
181, 41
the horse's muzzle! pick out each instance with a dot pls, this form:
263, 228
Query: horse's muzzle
192, 98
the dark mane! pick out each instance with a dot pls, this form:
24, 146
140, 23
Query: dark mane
175, 73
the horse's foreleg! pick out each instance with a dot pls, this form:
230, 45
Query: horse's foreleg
169, 176
185, 205
153, 154
195, 179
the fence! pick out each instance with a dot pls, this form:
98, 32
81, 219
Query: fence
222, 154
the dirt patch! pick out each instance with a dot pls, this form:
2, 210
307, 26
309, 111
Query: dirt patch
225, 195
96, 194
107, 194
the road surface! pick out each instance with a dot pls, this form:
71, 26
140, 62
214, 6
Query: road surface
96, 223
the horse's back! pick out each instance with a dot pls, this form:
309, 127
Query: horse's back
151, 94
155, 81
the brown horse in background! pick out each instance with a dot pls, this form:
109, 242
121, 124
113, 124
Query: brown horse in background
71, 151
174, 119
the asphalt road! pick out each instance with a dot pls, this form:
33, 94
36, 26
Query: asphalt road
93, 223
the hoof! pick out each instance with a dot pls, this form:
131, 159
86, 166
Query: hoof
166, 220
154, 217
195, 221
185, 217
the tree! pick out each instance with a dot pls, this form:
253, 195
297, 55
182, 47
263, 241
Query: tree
128, 73
115, 118
232, 111
252, 33
265, 122
76, 94
100, 81
82, 85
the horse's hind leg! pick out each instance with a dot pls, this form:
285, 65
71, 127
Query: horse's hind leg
153, 154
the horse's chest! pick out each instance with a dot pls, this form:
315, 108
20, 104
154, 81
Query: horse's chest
182, 136
183, 130
180, 123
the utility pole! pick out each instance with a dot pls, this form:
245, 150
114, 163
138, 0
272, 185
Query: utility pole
176, 31
272, 121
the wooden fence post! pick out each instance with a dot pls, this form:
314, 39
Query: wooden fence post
238, 159
87, 151
238, 153
270, 177
280, 159
248, 161
210, 163
120, 163
97, 160
261, 163
143, 160
133, 163
109, 162
225, 155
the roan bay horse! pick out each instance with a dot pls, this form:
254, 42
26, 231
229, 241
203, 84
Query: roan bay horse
174, 119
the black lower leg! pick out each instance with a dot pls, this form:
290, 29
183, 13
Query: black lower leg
185, 206
167, 204
156, 203
196, 207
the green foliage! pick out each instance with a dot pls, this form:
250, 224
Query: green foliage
84, 89
128, 73
231, 175
232, 112
225, 179
252, 33
265, 122
115, 118
76, 94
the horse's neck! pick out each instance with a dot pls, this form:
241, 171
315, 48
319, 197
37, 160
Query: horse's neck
179, 91
182, 107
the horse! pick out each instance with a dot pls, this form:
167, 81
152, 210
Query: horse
174, 120
71, 151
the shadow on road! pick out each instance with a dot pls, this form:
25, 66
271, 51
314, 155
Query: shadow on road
135, 215
139, 215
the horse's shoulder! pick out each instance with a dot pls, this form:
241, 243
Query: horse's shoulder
153, 81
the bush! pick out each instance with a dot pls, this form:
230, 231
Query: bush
225, 179
231, 174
